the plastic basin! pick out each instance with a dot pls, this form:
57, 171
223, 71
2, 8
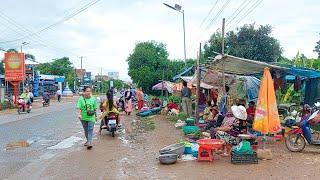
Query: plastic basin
210, 143
190, 129
173, 149
168, 158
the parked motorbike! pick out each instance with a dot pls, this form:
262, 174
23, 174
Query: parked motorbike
300, 135
111, 123
23, 106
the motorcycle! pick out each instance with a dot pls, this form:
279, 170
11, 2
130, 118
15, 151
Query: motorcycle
23, 106
111, 123
299, 136
45, 102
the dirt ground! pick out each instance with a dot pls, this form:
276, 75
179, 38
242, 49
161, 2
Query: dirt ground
133, 155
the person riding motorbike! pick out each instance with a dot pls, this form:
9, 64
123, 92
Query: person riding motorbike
25, 96
46, 97
305, 126
109, 105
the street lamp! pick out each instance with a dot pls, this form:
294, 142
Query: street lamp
23, 44
177, 7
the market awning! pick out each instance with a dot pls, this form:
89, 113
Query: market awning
178, 76
165, 85
240, 66
193, 81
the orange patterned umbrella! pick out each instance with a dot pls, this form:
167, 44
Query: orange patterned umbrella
266, 117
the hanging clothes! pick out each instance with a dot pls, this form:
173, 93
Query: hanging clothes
297, 83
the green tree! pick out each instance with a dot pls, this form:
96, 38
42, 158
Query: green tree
12, 50
246, 42
59, 67
147, 62
317, 48
1, 67
30, 56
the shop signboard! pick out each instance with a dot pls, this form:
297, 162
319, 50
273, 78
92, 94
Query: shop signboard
14, 66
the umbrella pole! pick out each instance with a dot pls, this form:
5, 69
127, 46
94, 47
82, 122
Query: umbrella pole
264, 141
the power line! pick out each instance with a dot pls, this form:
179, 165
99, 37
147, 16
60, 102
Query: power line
218, 14
238, 11
203, 21
255, 5
23, 29
209, 13
56, 23
213, 20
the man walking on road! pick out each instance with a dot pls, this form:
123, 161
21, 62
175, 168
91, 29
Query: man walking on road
87, 106
186, 99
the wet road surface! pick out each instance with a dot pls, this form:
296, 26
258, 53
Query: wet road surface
42, 128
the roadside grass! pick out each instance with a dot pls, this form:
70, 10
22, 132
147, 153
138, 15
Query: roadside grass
148, 123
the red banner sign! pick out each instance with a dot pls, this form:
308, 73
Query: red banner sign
14, 66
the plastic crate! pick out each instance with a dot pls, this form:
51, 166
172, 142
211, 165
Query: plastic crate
244, 158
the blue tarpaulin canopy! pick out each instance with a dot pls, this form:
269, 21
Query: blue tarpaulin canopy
309, 73
251, 87
178, 76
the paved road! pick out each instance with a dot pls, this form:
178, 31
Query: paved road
42, 128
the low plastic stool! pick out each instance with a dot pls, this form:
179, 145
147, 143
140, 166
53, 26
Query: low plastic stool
208, 158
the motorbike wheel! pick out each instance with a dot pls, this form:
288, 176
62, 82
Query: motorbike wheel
295, 142
19, 111
28, 111
112, 133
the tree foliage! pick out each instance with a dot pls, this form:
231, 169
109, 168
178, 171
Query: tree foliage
246, 42
1, 67
317, 48
59, 67
149, 61
300, 60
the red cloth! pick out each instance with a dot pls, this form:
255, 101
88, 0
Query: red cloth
140, 104
214, 96
172, 105
251, 111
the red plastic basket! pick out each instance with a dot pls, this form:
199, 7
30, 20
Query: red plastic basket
210, 143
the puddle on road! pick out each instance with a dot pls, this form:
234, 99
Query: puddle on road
47, 156
17, 144
66, 143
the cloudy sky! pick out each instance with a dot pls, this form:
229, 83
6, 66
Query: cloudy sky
106, 33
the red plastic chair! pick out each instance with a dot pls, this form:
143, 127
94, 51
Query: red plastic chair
205, 158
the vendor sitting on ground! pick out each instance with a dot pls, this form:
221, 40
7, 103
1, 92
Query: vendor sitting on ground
155, 102
207, 111
172, 107
230, 133
251, 110
214, 119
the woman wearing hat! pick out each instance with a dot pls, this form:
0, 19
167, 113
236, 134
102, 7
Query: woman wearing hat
230, 133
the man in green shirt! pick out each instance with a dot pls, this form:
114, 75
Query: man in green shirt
87, 106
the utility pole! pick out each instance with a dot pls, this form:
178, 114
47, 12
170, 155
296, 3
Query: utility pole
198, 84
101, 80
184, 40
81, 70
23, 44
222, 52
